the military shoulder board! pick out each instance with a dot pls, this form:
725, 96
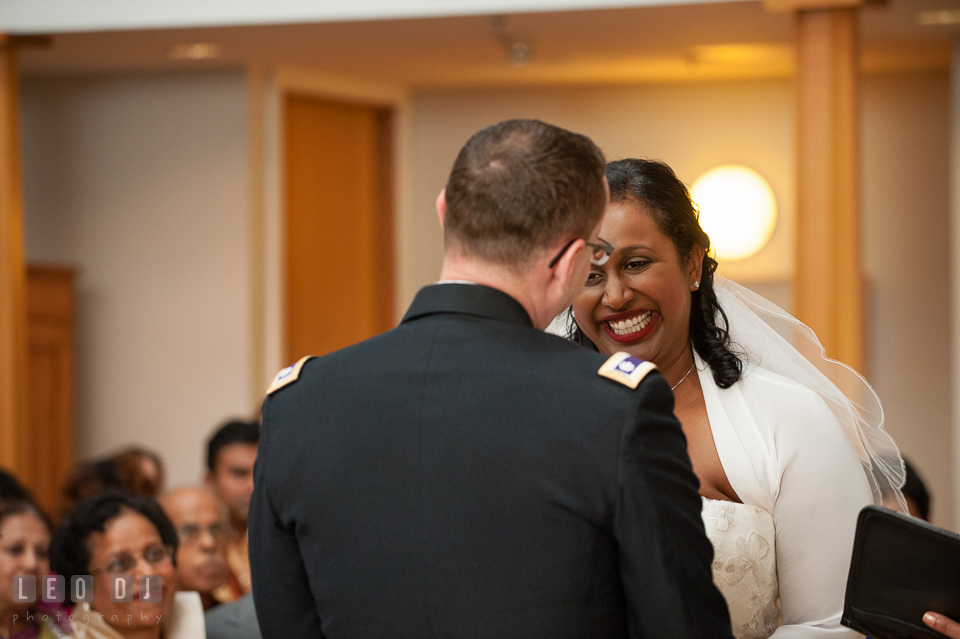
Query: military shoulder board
626, 369
287, 376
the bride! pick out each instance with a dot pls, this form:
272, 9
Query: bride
788, 445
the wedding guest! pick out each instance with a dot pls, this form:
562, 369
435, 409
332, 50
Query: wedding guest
202, 528
139, 471
915, 492
231, 453
135, 471
11, 488
24, 550
112, 534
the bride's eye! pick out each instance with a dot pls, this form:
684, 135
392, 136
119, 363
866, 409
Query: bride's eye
636, 264
594, 278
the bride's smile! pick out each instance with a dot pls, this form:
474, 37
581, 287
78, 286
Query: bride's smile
629, 327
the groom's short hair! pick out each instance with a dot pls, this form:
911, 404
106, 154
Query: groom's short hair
519, 186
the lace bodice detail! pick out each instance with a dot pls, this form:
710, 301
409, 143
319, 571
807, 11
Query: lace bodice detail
744, 565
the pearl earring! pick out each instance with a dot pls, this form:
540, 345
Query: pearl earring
696, 285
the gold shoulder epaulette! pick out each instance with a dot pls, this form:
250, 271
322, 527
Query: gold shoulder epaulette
287, 376
626, 369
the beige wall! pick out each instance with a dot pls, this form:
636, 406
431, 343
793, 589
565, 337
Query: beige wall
907, 264
140, 181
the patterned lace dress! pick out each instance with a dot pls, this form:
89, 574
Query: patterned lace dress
744, 565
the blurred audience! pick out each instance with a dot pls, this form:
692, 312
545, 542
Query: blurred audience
914, 492
135, 471
11, 488
24, 544
114, 533
231, 453
139, 471
201, 525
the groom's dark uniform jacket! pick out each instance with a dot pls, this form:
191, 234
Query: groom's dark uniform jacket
466, 475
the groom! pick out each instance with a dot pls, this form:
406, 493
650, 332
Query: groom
467, 474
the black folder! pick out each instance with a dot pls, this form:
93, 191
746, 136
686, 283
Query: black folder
901, 568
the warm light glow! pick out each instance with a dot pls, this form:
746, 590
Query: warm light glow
741, 54
737, 210
943, 16
196, 51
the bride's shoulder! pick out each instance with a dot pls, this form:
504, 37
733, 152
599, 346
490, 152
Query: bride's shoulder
761, 382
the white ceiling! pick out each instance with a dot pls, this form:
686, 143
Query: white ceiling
55, 16
662, 43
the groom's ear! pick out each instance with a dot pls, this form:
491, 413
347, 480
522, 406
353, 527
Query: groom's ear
442, 205
568, 264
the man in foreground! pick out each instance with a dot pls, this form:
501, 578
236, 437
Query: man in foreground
468, 475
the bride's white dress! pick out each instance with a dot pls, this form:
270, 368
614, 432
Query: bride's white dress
802, 487
744, 565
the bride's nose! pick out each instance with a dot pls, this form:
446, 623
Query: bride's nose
615, 294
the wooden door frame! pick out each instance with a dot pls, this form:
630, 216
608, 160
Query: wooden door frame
266, 96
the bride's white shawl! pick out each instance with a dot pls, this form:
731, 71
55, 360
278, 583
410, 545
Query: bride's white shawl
783, 449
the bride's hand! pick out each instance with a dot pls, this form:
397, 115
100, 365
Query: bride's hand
943, 625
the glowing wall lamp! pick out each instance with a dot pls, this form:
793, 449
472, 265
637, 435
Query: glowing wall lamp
737, 210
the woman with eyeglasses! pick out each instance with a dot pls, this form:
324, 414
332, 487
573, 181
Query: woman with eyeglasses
779, 436
111, 535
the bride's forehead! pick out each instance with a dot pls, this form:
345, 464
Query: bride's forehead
630, 227
628, 219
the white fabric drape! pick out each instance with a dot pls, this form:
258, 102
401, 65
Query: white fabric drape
783, 449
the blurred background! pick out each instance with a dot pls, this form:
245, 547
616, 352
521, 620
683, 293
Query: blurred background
212, 190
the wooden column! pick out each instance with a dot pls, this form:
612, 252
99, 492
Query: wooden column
827, 291
13, 334
828, 285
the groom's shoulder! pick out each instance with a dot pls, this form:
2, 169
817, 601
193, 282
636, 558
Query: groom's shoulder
609, 375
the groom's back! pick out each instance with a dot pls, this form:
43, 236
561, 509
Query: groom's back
470, 492
463, 474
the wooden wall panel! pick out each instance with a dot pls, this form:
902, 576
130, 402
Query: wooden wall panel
13, 354
49, 443
339, 235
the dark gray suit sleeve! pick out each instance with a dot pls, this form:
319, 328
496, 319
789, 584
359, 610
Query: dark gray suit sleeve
237, 620
281, 589
665, 556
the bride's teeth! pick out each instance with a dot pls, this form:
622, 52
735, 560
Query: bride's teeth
632, 325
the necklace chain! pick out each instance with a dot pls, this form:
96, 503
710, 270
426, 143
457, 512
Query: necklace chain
689, 370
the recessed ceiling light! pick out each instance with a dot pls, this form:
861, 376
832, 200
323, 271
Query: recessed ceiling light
195, 51
518, 49
519, 52
945, 16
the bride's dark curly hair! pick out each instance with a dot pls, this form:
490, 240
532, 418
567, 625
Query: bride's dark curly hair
655, 185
